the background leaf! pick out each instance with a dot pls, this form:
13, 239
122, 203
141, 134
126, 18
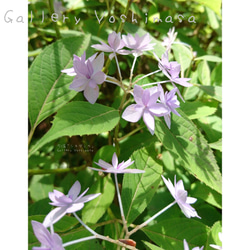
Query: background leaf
169, 234
79, 118
188, 146
138, 189
48, 87
95, 209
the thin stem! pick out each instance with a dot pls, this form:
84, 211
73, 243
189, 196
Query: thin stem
55, 171
153, 83
130, 133
88, 228
132, 70
150, 219
149, 74
118, 68
79, 240
51, 5
120, 204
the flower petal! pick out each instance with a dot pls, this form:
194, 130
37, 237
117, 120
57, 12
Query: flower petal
91, 94
133, 113
54, 216
74, 190
149, 121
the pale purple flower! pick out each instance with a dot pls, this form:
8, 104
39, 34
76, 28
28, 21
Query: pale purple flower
172, 70
117, 168
169, 40
216, 246
180, 196
49, 241
67, 203
146, 106
115, 45
138, 44
186, 247
170, 100
88, 75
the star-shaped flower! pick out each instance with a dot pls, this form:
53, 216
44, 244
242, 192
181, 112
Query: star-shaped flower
146, 106
88, 75
138, 44
172, 70
49, 241
169, 40
186, 247
67, 203
180, 195
115, 45
117, 168
170, 100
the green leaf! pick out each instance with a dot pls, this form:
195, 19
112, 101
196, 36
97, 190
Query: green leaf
138, 189
215, 5
197, 109
169, 234
214, 91
209, 58
151, 246
200, 190
183, 56
40, 186
189, 147
212, 125
79, 118
216, 145
48, 87
214, 235
204, 73
96, 208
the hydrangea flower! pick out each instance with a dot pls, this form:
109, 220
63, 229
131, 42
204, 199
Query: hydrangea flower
138, 44
146, 106
186, 247
115, 45
180, 195
49, 241
172, 70
169, 40
67, 203
215, 246
117, 168
170, 100
88, 75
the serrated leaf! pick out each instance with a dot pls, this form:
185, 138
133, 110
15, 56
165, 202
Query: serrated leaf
138, 189
200, 190
197, 109
79, 118
95, 209
169, 234
189, 147
48, 87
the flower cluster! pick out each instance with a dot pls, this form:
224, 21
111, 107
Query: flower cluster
150, 102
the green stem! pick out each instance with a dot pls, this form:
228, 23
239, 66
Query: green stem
130, 133
55, 171
52, 10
